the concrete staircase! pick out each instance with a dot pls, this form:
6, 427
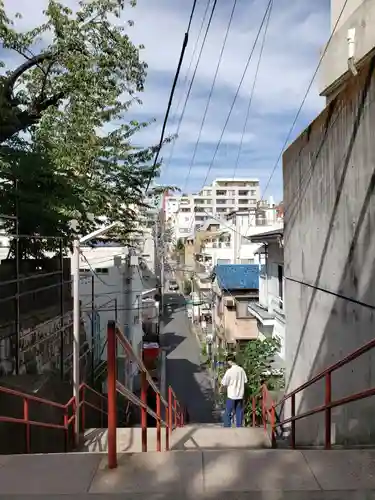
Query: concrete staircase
190, 437
206, 462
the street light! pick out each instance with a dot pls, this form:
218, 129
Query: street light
76, 317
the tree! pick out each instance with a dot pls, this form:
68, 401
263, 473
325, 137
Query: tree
72, 98
180, 245
256, 359
90, 66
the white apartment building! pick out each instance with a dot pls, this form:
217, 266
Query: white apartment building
188, 212
229, 241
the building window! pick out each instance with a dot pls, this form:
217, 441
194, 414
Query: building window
242, 310
247, 261
102, 270
221, 193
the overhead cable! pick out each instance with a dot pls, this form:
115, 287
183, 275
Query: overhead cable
237, 92
195, 69
304, 98
184, 45
184, 83
252, 90
211, 92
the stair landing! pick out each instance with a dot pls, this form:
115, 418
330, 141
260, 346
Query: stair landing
188, 475
190, 437
216, 437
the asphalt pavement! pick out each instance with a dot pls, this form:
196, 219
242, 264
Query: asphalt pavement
191, 382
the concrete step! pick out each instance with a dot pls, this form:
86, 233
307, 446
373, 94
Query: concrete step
216, 437
129, 440
199, 475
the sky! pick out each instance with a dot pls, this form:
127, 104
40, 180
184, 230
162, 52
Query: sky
296, 34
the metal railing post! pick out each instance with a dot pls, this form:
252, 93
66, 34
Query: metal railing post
144, 411
83, 410
328, 397
111, 382
175, 412
27, 423
273, 426
158, 424
293, 423
170, 410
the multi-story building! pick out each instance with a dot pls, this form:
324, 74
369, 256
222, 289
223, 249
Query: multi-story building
188, 212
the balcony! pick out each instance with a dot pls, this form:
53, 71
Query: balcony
277, 306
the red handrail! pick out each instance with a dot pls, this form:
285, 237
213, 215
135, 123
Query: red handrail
107, 406
328, 402
172, 407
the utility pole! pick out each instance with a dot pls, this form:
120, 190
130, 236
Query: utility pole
77, 319
76, 339
236, 241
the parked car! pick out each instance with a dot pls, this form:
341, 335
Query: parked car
173, 286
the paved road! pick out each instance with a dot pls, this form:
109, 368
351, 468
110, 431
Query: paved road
190, 382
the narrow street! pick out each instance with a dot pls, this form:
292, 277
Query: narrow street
190, 382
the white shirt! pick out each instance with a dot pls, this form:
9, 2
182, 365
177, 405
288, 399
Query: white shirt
234, 380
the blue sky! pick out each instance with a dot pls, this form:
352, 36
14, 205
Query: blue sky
297, 32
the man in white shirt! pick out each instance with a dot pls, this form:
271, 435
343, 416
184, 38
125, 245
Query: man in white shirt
234, 380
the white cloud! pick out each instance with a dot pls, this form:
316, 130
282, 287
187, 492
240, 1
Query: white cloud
297, 31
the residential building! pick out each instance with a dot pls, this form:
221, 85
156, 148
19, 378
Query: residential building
270, 310
229, 241
329, 241
234, 286
114, 285
189, 212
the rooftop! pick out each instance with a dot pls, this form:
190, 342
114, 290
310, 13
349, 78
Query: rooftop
237, 276
267, 235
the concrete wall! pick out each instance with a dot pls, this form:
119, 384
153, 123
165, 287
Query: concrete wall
329, 238
358, 14
336, 8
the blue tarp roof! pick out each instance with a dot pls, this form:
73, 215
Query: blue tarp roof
237, 276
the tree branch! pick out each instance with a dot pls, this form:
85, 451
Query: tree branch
17, 73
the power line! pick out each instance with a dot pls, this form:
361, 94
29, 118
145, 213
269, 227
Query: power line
237, 92
196, 68
252, 90
211, 91
305, 97
184, 45
184, 82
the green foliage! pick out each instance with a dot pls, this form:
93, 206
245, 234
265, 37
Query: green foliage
80, 161
86, 75
256, 358
180, 245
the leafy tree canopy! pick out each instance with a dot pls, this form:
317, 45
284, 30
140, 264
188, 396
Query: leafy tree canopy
78, 76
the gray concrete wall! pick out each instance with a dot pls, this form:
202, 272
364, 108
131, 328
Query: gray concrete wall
329, 258
358, 14
336, 8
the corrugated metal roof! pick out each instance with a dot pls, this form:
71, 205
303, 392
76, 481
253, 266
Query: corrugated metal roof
237, 276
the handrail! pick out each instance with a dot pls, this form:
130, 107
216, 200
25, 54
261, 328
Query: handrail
329, 403
172, 407
174, 413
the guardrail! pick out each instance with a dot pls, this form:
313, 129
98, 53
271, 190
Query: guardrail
106, 406
269, 416
173, 412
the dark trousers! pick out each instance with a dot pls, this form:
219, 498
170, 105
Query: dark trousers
233, 407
